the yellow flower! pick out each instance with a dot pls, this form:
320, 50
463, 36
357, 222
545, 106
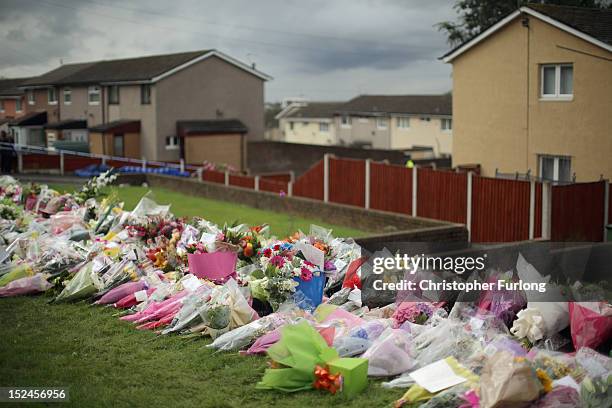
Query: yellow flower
544, 379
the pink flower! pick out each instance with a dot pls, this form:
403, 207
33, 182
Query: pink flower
306, 274
277, 261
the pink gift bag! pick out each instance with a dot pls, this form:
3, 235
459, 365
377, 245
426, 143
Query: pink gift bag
215, 266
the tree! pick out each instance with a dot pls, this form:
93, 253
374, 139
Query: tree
477, 15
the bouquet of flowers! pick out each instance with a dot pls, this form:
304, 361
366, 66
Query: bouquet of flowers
93, 187
9, 210
413, 312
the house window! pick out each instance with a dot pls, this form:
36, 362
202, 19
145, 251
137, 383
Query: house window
345, 121
31, 99
172, 143
1, 106
557, 81
67, 96
446, 124
113, 95
51, 96
381, 123
18, 104
403, 123
145, 94
556, 168
93, 95
323, 127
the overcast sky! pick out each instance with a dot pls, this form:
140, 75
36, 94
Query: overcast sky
317, 49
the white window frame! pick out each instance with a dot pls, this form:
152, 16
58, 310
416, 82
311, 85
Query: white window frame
67, 92
54, 100
449, 124
30, 96
557, 96
18, 105
403, 122
382, 123
110, 92
93, 90
174, 143
323, 125
556, 159
146, 89
345, 124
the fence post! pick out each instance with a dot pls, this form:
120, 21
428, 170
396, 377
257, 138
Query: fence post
326, 177
61, 162
199, 172
367, 183
468, 216
182, 164
415, 179
532, 195
104, 160
291, 175
606, 209
290, 189
256, 183
546, 209
20, 162
144, 164
227, 177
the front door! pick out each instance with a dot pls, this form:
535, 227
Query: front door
118, 149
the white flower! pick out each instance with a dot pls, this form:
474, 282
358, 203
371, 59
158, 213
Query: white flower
530, 324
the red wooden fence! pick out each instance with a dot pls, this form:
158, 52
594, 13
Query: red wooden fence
79, 162
37, 161
390, 188
213, 176
273, 186
347, 181
442, 195
500, 210
538, 211
578, 212
241, 181
310, 184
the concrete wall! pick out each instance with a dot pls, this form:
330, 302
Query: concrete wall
209, 89
129, 107
307, 131
422, 133
500, 120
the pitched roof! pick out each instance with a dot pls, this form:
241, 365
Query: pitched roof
315, 110
595, 22
406, 104
198, 127
30, 119
592, 25
9, 86
141, 69
57, 75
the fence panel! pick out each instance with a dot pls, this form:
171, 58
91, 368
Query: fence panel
310, 184
41, 161
442, 195
347, 181
283, 177
500, 210
537, 227
118, 163
72, 163
578, 212
390, 188
213, 176
272, 186
242, 181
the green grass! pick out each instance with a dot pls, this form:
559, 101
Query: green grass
107, 362
220, 212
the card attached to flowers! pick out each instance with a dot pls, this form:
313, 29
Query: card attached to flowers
312, 254
436, 377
